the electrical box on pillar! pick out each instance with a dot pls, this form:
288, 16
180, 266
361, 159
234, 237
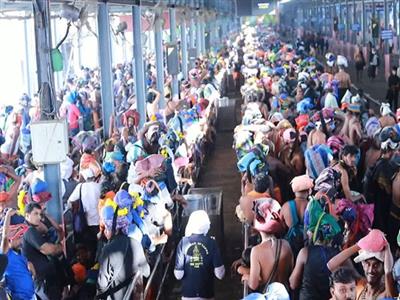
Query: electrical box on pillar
49, 141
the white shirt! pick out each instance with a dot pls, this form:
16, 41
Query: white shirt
90, 199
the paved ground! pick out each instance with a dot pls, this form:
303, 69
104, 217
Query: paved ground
220, 171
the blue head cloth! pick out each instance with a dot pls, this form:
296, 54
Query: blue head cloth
123, 199
255, 296
108, 167
39, 186
72, 97
117, 155
245, 161
2, 139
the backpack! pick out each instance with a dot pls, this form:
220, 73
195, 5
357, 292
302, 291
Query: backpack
295, 234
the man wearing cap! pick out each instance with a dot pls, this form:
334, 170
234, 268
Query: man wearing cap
19, 271
377, 262
198, 259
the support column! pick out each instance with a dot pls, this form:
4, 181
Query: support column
159, 56
386, 42
104, 40
364, 22
172, 27
27, 62
347, 28
198, 37
139, 66
41, 13
203, 36
184, 50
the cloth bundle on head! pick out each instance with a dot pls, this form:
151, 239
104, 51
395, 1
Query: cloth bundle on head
17, 231
114, 215
372, 246
342, 61
302, 121
330, 59
385, 109
304, 106
66, 168
302, 183
39, 190
254, 161
87, 174
289, 135
323, 225
267, 217
354, 108
359, 216
336, 143
372, 126
150, 163
198, 223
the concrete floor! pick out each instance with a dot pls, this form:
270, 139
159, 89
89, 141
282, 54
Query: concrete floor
220, 171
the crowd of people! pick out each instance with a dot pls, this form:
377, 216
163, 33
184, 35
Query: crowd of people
121, 192
320, 177
320, 181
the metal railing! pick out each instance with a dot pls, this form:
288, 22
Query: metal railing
246, 230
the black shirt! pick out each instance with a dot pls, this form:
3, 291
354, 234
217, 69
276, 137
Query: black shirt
32, 241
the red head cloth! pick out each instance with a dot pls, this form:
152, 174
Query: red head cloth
374, 241
17, 231
267, 217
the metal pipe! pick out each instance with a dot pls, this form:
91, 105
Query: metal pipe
184, 49
104, 42
139, 67
198, 37
41, 11
172, 28
364, 22
159, 56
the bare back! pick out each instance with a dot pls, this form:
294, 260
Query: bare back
265, 257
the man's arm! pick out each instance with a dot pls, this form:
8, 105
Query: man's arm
255, 270
4, 237
297, 274
338, 260
390, 289
51, 249
179, 271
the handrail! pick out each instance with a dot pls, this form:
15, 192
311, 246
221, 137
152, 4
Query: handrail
156, 265
246, 228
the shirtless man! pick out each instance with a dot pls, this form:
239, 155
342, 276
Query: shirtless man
261, 188
301, 186
291, 154
271, 252
347, 168
378, 282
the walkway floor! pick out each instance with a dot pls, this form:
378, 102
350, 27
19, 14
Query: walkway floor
220, 171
